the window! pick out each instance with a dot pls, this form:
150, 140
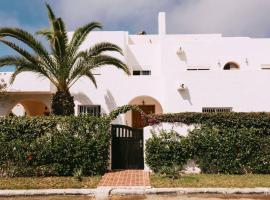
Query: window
89, 109
142, 72
265, 66
231, 66
198, 69
216, 109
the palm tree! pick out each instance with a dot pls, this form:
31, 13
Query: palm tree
63, 63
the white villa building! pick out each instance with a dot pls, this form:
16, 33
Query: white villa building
170, 73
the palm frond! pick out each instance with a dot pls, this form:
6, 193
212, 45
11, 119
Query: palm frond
50, 13
29, 40
102, 60
26, 67
103, 47
22, 62
21, 51
46, 33
9, 60
92, 78
80, 35
86, 65
60, 39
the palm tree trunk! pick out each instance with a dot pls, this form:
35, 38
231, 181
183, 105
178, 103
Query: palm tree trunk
63, 103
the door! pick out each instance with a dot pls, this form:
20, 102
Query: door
137, 119
127, 147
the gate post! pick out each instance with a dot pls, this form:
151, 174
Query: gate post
146, 135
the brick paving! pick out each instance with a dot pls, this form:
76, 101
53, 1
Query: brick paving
125, 178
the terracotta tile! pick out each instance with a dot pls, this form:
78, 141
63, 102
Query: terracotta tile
125, 178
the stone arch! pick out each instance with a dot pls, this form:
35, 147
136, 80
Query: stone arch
143, 100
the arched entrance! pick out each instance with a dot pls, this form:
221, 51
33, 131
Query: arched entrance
30, 108
148, 105
231, 66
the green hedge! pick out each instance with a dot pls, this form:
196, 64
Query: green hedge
53, 145
215, 150
230, 150
165, 150
230, 119
231, 143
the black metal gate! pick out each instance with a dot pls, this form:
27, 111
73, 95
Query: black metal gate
127, 147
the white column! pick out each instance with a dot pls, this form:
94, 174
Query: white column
161, 23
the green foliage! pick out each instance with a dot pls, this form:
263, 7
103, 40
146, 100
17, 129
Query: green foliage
231, 119
230, 150
165, 151
173, 171
123, 109
231, 143
78, 175
63, 103
47, 146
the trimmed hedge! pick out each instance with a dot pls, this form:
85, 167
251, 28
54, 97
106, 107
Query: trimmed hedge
230, 150
231, 143
165, 150
47, 146
230, 119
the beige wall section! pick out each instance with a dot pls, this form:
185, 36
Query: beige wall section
34, 108
142, 100
33, 104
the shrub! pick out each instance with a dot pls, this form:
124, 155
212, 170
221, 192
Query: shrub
165, 151
229, 119
51, 145
230, 150
172, 171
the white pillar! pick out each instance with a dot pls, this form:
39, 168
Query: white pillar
161, 23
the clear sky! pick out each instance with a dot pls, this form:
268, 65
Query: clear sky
229, 17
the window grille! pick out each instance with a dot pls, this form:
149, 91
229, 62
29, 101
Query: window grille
198, 69
89, 109
216, 109
142, 72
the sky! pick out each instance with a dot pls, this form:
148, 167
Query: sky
248, 18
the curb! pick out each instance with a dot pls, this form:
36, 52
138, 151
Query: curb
44, 192
134, 191
156, 191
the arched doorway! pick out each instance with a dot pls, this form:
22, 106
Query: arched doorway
148, 105
30, 108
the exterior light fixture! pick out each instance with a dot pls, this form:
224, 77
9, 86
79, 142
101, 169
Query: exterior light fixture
180, 50
181, 87
219, 63
246, 61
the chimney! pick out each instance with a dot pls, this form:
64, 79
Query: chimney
161, 23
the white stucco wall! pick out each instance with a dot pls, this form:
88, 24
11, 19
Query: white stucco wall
244, 90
